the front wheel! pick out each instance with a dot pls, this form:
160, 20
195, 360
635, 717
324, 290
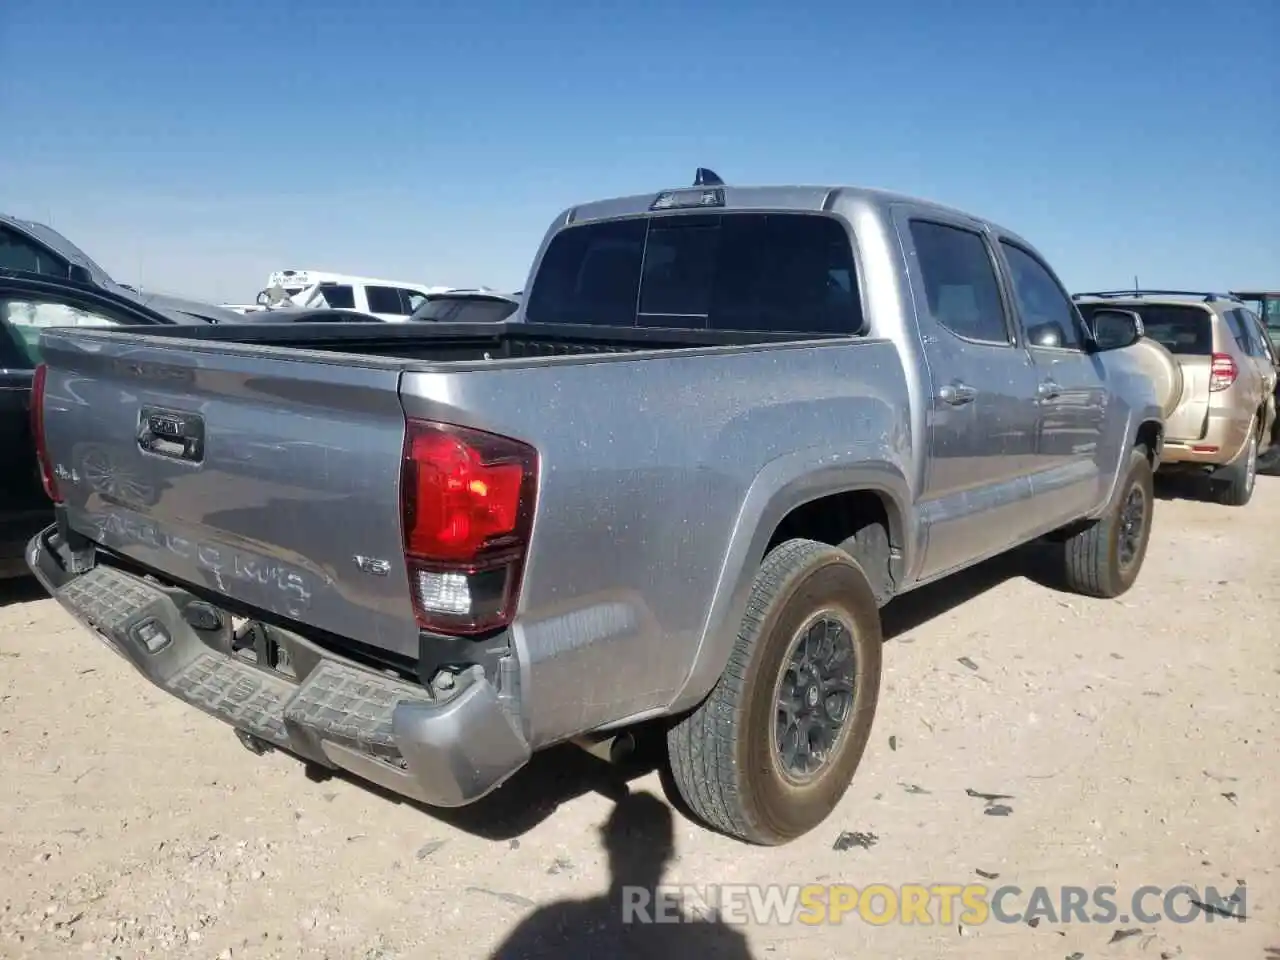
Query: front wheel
1103, 560
770, 752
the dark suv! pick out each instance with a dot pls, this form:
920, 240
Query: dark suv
30, 247
28, 304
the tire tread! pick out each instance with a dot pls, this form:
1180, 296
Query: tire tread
701, 746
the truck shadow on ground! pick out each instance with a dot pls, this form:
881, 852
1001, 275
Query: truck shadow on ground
1037, 562
639, 838
20, 590
551, 778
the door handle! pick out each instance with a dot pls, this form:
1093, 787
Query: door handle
957, 393
1047, 390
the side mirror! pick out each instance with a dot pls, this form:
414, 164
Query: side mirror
1116, 329
79, 274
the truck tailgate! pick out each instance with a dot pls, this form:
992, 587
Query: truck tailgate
261, 474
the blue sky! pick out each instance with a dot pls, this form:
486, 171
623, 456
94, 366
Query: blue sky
197, 147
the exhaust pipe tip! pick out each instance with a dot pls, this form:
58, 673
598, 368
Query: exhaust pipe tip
614, 748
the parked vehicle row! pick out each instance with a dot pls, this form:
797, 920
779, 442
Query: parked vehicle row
1216, 372
723, 427
390, 300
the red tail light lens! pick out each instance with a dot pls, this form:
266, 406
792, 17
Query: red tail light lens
1222, 372
466, 502
37, 432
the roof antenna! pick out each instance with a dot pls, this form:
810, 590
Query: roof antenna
1136, 288
706, 177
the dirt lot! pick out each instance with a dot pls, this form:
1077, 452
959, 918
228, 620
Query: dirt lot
1135, 743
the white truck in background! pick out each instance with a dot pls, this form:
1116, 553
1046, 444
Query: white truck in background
390, 300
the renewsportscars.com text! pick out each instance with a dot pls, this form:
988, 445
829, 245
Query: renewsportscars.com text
927, 904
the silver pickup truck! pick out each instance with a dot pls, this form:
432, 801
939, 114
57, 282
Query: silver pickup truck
726, 427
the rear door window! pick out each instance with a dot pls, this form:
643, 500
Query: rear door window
785, 272
960, 281
339, 296
385, 300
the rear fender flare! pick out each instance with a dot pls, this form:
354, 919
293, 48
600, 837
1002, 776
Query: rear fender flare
779, 488
1137, 419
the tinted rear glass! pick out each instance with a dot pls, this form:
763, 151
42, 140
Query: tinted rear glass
786, 273
464, 310
1183, 330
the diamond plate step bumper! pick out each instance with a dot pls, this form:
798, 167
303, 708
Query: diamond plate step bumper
441, 752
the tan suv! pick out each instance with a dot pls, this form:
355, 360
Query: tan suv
1206, 353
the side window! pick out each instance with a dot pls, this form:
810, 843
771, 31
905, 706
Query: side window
384, 300
1248, 338
26, 319
1238, 332
1267, 349
1048, 315
339, 296
960, 281
19, 253
413, 299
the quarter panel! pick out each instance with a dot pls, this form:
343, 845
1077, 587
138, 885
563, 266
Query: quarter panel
645, 465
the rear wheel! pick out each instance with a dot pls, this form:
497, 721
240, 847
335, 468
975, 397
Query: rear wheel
1234, 483
1103, 560
770, 752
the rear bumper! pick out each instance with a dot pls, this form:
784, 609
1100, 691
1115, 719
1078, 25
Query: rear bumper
441, 752
1223, 441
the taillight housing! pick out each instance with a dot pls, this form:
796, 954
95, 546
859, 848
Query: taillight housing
1222, 372
47, 475
466, 514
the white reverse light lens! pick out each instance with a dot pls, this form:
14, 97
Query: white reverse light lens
444, 592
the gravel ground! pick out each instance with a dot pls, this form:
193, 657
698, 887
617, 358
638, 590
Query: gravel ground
1133, 742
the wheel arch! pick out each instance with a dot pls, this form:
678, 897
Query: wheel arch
797, 496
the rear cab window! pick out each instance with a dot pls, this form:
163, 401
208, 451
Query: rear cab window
762, 272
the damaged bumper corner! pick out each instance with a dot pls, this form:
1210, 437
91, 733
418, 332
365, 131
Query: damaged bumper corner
339, 714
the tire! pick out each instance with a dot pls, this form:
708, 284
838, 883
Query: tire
1093, 560
870, 547
724, 756
1233, 484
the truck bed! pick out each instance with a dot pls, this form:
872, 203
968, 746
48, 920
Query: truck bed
471, 342
287, 509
